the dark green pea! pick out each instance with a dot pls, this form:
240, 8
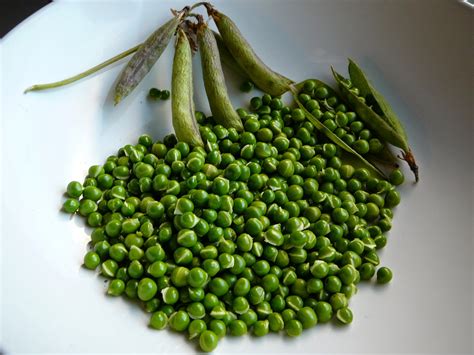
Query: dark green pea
321, 93
384, 275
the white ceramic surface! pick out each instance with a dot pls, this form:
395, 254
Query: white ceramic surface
419, 53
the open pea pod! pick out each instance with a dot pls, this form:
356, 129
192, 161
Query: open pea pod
366, 89
380, 125
295, 89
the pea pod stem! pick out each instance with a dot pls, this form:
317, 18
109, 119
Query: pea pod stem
84, 74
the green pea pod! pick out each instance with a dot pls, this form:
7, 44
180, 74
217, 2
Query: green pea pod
182, 103
227, 59
146, 56
375, 122
384, 157
360, 81
214, 82
295, 89
266, 79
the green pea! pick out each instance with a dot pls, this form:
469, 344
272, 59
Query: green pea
307, 317
158, 320
208, 341
170, 295
135, 269
384, 275
109, 268
86, 207
71, 205
74, 189
179, 321
91, 260
116, 287
147, 289
293, 328
261, 328
218, 286
344, 315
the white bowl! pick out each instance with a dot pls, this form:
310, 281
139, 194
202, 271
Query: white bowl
418, 53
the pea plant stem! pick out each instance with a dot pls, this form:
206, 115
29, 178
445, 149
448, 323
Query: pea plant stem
84, 74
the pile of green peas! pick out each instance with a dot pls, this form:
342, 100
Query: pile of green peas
262, 231
336, 116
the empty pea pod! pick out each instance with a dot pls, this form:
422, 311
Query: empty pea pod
265, 78
214, 82
182, 103
146, 56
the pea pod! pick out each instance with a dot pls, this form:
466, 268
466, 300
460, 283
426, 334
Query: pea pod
145, 57
327, 132
360, 81
266, 79
227, 59
214, 82
382, 124
182, 104
384, 157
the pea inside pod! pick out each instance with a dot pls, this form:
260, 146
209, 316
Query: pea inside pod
377, 113
295, 89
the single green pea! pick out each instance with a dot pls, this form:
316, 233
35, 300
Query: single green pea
218, 286
158, 320
135, 269
195, 328
116, 287
109, 268
276, 322
396, 177
146, 289
237, 328
208, 341
261, 328
293, 328
384, 275
74, 189
86, 207
179, 321
344, 315
307, 317
91, 260
71, 205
